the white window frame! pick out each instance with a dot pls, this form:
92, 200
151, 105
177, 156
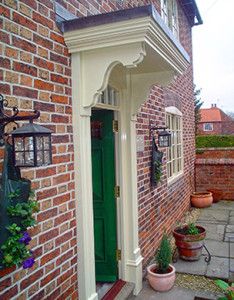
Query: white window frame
164, 11
169, 14
175, 157
207, 129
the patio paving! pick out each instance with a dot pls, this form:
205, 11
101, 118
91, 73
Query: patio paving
219, 223
217, 220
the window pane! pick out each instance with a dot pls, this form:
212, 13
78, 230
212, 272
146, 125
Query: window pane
174, 153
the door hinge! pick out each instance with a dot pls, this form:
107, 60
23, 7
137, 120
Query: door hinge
117, 191
118, 254
115, 126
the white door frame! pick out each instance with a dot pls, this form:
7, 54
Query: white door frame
131, 262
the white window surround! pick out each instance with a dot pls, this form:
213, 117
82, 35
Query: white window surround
208, 127
169, 14
175, 159
121, 54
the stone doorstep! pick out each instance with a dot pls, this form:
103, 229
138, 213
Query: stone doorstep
124, 294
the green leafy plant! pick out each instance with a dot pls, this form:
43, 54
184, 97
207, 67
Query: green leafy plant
15, 249
163, 255
192, 229
14, 252
158, 170
228, 289
14, 194
25, 211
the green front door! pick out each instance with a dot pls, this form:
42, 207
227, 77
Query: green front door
103, 166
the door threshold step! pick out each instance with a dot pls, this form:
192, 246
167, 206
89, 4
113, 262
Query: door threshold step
120, 290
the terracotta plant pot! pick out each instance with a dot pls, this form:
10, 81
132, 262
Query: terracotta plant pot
216, 194
189, 245
161, 282
201, 200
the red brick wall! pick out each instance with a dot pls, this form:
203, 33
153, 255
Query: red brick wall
36, 74
215, 170
160, 207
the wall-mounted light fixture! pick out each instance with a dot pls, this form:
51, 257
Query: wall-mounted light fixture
31, 142
164, 136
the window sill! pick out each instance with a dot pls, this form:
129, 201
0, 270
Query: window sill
172, 180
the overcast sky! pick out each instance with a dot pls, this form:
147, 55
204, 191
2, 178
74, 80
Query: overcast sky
213, 50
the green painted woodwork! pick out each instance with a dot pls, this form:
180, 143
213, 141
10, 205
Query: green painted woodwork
103, 166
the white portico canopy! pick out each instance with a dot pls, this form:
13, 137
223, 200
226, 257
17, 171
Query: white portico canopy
135, 39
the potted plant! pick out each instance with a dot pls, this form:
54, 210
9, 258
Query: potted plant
161, 274
189, 240
201, 200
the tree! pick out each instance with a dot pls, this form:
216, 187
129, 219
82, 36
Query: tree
197, 105
230, 114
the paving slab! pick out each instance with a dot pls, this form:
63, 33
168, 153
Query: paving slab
216, 248
229, 237
218, 268
214, 216
214, 231
231, 220
198, 267
227, 205
175, 293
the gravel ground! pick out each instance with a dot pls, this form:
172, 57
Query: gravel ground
197, 283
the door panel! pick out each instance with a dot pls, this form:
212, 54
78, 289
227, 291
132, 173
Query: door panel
103, 166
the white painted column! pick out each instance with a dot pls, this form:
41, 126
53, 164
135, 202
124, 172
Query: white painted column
83, 187
132, 259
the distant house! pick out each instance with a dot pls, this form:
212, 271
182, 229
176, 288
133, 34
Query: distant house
215, 121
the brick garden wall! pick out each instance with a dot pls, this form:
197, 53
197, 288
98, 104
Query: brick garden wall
215, 170
36, 74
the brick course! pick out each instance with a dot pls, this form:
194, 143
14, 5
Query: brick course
36, 74
215, 170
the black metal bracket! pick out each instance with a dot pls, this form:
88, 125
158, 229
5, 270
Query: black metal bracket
158, 128
6, 119
208, 257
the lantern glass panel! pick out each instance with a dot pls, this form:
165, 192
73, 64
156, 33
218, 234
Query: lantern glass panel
28, 143
47, 159
163, 141
39, 158
29, 158
19, 144
39, 143
46, 142
19, 158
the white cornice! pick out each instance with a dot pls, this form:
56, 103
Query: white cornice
128, 32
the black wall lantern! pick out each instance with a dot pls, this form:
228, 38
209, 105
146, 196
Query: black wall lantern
31, 142
164, 136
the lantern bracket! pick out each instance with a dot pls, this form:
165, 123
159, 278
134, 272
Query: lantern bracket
6, 119
158, 128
